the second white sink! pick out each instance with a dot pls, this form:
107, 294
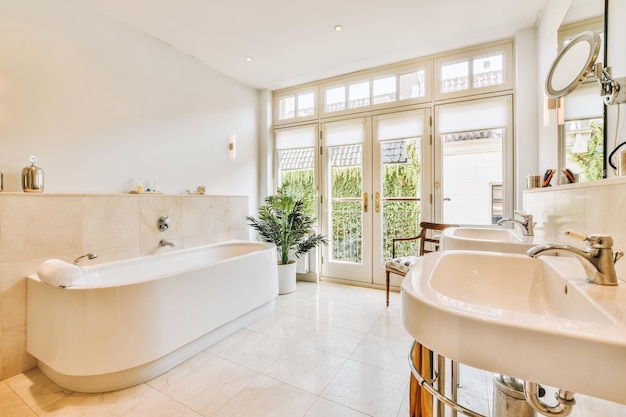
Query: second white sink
492, 239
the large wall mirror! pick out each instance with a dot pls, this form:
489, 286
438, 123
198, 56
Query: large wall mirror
582, 133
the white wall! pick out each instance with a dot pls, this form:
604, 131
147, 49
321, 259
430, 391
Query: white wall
470, 169
526, 114
99, 103
536, 145
547, 44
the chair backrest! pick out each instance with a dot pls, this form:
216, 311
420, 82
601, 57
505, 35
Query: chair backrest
427, 236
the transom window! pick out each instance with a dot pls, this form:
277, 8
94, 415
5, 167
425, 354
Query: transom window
377, 90
469, 72
296, 106
478, 71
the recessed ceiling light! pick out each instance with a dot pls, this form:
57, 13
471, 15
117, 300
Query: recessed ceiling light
338, 28
249, 58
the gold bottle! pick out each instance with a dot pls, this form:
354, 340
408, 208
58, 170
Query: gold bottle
32, 177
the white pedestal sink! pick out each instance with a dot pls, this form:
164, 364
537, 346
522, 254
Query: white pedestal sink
535, 319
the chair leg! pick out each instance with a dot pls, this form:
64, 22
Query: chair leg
387, 272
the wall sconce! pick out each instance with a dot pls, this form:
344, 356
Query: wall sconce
557, 104
232, 146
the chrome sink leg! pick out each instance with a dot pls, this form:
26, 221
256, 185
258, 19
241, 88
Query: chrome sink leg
431, 385
454, 381
441, 384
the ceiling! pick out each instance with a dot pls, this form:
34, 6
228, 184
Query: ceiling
293, 42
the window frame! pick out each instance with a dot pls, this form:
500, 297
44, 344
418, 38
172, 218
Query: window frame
497, 188
468, 56
295, 92
371, 76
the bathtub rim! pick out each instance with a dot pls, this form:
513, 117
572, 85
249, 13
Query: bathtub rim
265, 246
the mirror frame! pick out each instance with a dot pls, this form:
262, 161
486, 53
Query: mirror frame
593, 39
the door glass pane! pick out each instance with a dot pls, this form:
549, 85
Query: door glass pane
346, 205
295, 148
472, 163
385, 90
296, 174
488, 71
401, 194
335, 99
584, 148
455, 77
412, 85
359, 95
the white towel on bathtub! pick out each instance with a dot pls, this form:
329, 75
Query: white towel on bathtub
59, 273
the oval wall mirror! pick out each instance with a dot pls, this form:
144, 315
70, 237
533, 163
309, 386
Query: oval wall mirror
573, 64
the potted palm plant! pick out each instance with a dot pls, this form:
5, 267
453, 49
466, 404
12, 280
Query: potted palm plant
284, 221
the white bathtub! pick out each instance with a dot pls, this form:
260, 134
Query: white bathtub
132, 320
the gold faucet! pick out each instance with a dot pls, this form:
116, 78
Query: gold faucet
90, 255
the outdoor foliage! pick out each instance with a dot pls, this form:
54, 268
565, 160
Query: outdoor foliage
592, 162
299, 184
402, 217
347, 243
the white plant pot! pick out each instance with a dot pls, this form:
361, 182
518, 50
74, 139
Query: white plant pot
287, 278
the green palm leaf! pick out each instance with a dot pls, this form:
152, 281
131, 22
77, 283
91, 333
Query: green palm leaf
283, 220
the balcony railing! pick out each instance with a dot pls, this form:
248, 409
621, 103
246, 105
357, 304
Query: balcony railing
400, 219
347, 226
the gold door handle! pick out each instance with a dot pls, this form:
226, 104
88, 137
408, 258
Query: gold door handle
365, 198
377, 204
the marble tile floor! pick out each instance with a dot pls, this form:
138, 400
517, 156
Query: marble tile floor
327, 350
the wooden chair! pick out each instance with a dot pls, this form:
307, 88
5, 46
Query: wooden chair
428, 241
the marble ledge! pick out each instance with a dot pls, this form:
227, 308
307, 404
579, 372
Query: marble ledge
606, 182
52, 194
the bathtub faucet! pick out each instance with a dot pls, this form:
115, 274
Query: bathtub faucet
89, 255
163, 243
597, 259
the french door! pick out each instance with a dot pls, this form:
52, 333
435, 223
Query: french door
372, 180
474, 161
